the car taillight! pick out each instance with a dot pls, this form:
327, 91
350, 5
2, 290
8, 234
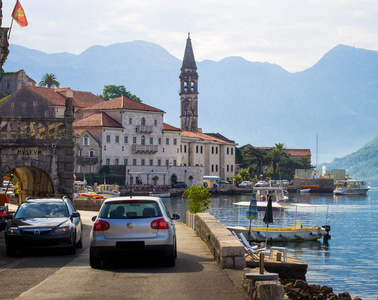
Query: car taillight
101, 225
159, 224
3, 213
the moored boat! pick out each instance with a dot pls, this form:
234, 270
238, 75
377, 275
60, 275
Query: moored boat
296, 233
160, 195
351, 187
88, 196
108, 190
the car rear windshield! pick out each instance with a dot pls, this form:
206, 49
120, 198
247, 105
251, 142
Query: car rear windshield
42, 210
130, 210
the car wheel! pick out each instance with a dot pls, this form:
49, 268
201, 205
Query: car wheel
79, 244
72, 249
93, 261
171, 259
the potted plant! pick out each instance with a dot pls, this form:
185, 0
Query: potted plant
198, 201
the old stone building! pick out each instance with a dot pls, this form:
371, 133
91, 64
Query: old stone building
11, 82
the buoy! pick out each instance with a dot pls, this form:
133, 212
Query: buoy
299, 236
261, 234
252, 236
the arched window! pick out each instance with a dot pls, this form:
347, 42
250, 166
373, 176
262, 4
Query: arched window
143, 122
143, 140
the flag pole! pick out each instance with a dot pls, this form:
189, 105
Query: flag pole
10, 29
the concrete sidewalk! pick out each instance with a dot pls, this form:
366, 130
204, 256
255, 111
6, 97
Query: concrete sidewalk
195, 276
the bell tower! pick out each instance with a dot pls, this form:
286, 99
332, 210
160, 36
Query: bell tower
189, 90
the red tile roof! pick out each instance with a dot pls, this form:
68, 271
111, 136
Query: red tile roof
201, 136
170, 128
123, 103
100, 119
292, 152
57, 96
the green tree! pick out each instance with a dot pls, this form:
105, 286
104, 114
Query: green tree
277, 155
244, 174
256, 157
199, 199
114, 91
49, 80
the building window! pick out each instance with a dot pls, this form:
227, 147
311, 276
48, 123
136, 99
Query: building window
134, 139
201, 149
228, 151
174, 141
104, 148
92, 153
184, 148
35, 103
142, 162
216, 150
212, 149
180, 148
212, 168
123, 148
117, 139
116, 161
197, 149
79, 168
79, 152
143, 121
92, 169
167, 141
85, 141
125, 161
216, 168
108, 138
125, 139
130, 121
155, 122
108, 161
159, 141
159, 162
228, 168
232, 167
232, 151
174, 163
167, 162
151, 141
143, 140
134, 162
151, 162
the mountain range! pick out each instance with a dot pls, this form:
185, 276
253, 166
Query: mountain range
250, 102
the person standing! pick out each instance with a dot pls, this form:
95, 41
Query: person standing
17, 193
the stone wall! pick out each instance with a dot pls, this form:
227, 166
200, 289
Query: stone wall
89, 205
226, 250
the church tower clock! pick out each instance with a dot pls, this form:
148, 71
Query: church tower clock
189, 90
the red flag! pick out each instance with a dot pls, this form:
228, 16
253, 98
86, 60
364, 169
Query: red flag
18, 15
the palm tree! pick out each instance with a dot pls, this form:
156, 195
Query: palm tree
277, 155
49, 80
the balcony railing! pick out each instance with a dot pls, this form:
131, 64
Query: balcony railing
144, 128
144, 148
86, 160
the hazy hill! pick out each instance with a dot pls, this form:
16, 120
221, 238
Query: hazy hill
361, 164
249, 102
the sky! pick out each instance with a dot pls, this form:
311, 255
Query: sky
294, 34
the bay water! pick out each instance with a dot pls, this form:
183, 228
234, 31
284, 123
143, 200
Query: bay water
347, 263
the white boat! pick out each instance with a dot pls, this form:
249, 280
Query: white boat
108, 190
261, 205
351, 187
278, 193
296, 233
160, 195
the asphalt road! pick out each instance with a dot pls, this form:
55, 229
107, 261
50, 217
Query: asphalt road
61, 276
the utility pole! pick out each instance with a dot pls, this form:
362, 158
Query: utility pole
4, 44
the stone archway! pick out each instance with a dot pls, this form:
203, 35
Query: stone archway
39, 152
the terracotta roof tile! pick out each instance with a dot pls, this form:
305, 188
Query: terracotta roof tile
57, 96
100, 119
170, 128
292, 152
201, 136
123, 103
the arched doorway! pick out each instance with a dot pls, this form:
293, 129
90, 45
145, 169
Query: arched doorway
173, 179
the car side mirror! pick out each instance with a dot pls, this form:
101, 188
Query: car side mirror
75, 214
94, 218
175, 217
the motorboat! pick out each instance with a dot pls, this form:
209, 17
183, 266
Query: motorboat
351, 187
278, 193
261, 205
108, 190
88, 196
295, 233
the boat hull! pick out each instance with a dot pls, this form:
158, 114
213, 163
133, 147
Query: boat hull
286, 234
350, 191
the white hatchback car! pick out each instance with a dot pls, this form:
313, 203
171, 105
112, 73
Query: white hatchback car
245, 184
133, 226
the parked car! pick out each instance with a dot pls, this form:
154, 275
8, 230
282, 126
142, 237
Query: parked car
223, 182
261, 183
133, 227
44, 223
245, 184
179, 185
